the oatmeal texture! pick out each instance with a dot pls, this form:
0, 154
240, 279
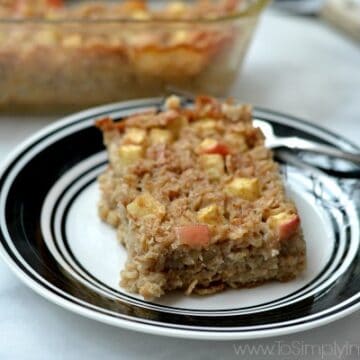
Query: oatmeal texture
197, 201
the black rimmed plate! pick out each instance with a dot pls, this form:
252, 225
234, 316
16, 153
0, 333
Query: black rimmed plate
54, 241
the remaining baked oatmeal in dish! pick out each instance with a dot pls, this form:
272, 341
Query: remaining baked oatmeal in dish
197, 201
81, 53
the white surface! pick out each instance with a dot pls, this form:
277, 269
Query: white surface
297, 66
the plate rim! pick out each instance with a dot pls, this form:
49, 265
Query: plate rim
153, 328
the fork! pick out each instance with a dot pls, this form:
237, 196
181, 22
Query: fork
295, 143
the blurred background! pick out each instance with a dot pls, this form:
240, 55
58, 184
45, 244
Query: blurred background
344, 14
61, 56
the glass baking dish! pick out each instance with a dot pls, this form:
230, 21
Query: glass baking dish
67, 58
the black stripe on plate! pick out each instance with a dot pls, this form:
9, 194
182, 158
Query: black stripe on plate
118, 292
341, 296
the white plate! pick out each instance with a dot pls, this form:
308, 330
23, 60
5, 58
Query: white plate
53, 239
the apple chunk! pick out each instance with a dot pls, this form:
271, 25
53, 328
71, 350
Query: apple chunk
213, 165
284, 224
129, 154
210, 214
195, 235
245, 188
135, 136
145, 205
212, 146
160, 136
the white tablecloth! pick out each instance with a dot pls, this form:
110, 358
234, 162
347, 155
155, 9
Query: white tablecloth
298, 66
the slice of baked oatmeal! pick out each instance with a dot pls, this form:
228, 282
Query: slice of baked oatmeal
197, 201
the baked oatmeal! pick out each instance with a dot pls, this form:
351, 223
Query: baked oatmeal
55, 52
197, 201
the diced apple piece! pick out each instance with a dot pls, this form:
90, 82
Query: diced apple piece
135, 136
206, 144
210, 214
236, 141
160, 136
237, 112
145, 205
46, 37
151, 60
246, 188
212, 146
130, 153
72, 41
180, 37
205, 125
213, 164
173, 102
285, 224
140, 15
196, 235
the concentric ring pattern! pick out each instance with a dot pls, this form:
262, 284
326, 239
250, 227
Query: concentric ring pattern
50, 175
